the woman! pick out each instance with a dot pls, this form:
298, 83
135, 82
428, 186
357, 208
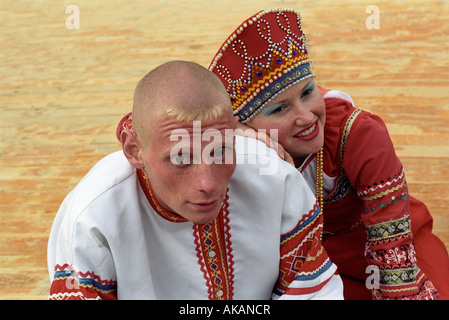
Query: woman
374, 231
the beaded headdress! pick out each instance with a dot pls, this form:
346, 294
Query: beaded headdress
263, 57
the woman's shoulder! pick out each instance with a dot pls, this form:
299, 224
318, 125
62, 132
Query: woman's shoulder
344, 121
339, 106
342, 115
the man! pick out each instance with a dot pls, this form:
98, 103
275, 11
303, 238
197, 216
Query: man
183, 211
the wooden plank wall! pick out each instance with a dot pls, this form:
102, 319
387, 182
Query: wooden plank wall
62, 92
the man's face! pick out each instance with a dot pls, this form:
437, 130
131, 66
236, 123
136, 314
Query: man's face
188, 167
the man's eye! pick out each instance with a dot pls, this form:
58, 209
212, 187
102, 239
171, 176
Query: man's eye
219, 152
180, 160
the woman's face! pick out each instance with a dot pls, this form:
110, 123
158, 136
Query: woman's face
299, 115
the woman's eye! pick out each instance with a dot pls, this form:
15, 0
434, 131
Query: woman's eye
279, 109
274, 109
308, 90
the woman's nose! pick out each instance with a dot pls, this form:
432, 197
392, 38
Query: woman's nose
303, 115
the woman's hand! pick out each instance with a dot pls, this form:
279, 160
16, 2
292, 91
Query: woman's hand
249, 132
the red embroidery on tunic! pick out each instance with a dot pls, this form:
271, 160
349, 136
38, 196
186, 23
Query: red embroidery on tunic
146, 187
69, 284
214, 252
212, 241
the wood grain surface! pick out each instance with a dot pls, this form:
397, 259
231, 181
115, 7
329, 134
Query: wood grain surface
63, 91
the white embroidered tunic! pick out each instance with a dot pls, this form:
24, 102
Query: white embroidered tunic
109, 241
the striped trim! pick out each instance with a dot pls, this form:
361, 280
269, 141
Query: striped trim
346, 131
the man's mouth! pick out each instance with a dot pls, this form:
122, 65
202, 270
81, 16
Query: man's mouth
205, 205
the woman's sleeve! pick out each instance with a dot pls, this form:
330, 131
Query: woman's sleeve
374, 170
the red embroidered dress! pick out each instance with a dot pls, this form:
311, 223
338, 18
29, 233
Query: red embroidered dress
369, 217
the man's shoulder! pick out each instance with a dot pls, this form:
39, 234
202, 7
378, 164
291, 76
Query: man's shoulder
269, 184
256, 159
105, 177
108, 171
245, 146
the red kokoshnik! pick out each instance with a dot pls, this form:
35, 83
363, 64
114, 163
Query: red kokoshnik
263, 57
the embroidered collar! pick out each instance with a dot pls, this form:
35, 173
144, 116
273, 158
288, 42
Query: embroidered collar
146, 187
126, 124
212, 244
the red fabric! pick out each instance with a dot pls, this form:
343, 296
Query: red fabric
69, 284
267, 45
377, 194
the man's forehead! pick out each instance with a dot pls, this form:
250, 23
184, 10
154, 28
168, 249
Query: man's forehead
197, 129
166, 130
168, 123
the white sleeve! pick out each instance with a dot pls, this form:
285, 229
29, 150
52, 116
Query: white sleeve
306, 271
80, 262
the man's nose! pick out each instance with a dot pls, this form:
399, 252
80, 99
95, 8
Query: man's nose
204, 178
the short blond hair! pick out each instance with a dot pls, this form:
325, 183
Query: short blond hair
182, 90
187, 115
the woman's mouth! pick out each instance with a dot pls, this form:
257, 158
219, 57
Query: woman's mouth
308, 133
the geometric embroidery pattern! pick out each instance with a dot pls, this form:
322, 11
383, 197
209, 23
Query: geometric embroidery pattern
76, 285
389, 229
302, 253
398, 276
214, 252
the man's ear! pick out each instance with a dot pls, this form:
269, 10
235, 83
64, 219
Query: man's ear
131, 149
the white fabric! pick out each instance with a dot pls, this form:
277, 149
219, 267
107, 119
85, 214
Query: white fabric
106, 226
339, 95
